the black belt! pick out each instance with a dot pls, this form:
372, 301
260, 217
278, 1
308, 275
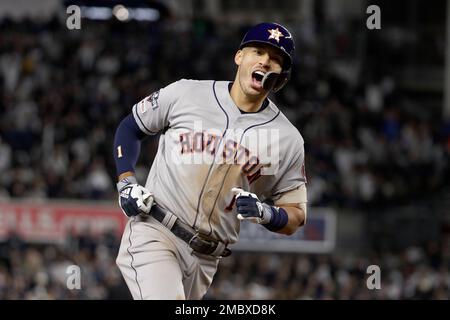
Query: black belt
183, 231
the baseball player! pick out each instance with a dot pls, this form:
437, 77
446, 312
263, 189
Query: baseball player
226, 154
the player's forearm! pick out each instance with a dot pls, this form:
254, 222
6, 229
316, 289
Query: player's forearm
296, 218
127, 145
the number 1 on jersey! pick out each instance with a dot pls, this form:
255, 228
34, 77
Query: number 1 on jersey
119, 152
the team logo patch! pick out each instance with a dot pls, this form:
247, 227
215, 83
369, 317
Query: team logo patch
153, 99
275, 34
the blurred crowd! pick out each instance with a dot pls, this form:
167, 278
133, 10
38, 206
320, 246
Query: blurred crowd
42, 272
416, 272
62, 94
46, 272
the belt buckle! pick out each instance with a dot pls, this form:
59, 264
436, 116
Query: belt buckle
196, 236
226, 252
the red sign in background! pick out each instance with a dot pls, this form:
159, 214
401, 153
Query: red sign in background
43, 222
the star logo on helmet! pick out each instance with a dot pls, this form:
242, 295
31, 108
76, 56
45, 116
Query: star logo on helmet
275, 34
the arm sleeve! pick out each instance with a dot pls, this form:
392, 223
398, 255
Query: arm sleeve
149, 116
127, 144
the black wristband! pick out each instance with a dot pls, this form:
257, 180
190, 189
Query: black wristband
278, 221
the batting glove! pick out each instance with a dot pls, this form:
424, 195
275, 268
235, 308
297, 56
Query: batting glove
134, 199
249, 207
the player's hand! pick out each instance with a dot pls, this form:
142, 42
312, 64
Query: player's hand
249, 207
134, 199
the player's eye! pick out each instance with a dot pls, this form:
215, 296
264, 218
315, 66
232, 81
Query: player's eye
277, 60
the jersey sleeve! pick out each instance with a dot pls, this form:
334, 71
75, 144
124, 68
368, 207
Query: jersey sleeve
291, 174
152, 114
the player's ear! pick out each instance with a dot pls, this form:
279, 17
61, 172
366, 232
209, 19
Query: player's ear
238, 57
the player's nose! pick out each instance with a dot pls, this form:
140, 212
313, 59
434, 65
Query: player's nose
264, 60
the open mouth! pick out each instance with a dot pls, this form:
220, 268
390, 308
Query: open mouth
257, 77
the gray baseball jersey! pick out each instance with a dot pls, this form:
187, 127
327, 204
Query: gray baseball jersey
208, 146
